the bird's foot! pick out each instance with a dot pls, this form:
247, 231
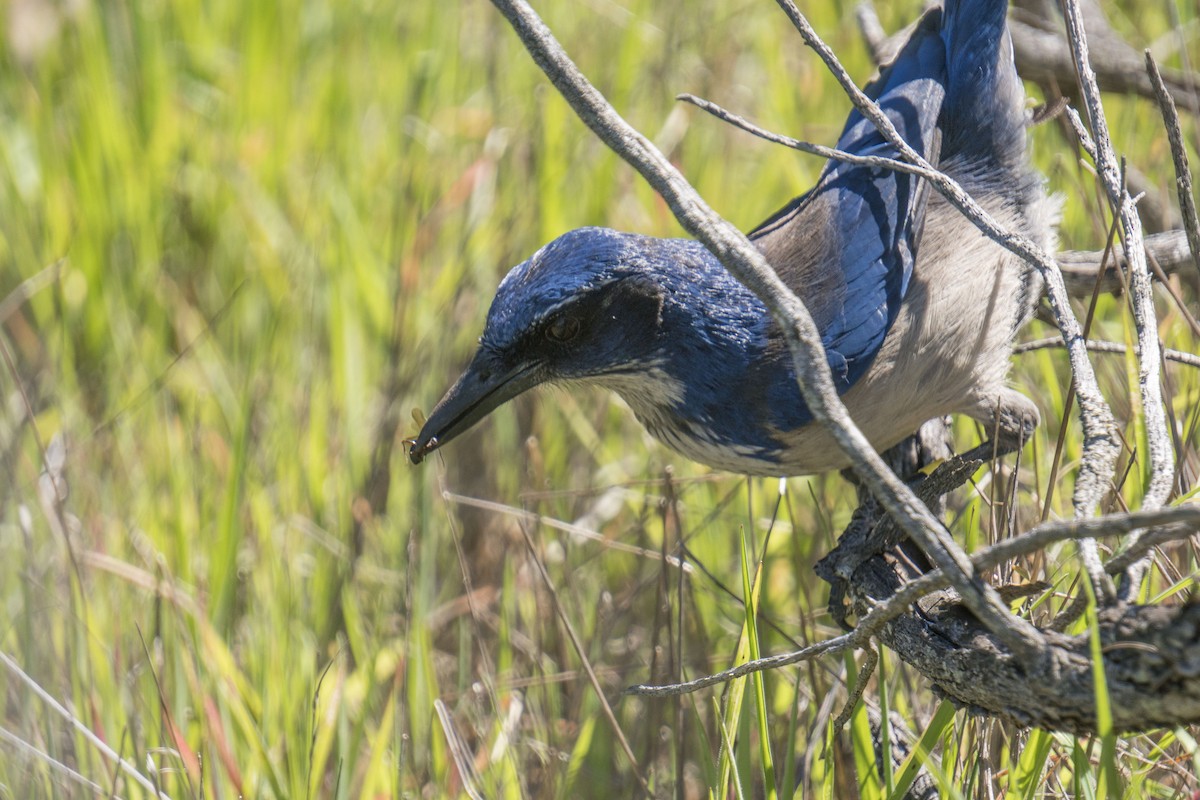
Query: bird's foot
1011, 417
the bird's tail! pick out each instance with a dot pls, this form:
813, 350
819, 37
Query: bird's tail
984, 114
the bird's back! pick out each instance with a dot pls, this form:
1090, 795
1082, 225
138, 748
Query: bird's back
952, 300
953, 94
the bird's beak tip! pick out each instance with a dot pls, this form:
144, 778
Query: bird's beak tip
476, 394
421, 447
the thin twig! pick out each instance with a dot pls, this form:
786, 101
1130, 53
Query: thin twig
874, 162
1178, 522
1166, 524
750, 267
1081, 132
566, 527
1099, 346
1183, 174
1079, 267
870, 662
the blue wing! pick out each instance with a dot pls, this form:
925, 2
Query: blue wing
848, 246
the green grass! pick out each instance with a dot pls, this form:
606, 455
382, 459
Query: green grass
277, 227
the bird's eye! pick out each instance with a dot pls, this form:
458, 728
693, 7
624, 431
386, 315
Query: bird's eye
562, 329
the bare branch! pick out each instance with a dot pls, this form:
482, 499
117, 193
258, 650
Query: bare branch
1043, 54
1097, 346
837, 644
1183, 175
875, 162
870, 662
1162, 465
1080, 267
1168, 525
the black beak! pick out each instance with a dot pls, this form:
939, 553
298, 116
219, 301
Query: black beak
484, 387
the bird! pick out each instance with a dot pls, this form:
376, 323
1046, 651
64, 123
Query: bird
917, 309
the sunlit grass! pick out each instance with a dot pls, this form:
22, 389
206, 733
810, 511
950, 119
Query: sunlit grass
279, 226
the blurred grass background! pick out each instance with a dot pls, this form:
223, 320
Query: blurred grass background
262, 233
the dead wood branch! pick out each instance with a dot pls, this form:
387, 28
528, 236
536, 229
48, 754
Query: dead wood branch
1043, 53
1079, 267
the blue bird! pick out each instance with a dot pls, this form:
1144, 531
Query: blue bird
916, 308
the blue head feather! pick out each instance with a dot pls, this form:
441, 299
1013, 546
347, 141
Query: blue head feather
660, 322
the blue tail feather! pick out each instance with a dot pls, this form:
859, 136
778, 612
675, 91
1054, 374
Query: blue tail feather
983, 116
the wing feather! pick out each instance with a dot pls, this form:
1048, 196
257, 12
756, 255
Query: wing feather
848, 246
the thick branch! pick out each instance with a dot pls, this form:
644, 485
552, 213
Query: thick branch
1043, 55
1167, 524
1151, 655
1080, 267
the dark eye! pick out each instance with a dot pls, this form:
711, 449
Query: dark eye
562, 329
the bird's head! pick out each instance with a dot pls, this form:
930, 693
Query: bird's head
587, 306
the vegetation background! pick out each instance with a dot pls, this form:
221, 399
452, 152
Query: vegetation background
260, 234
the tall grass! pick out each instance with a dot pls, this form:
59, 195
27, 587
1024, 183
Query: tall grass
270, 231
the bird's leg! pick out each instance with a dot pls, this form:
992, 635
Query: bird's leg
930, 443
1010, 416
871, 532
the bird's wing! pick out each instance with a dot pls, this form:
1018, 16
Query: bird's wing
847, 247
